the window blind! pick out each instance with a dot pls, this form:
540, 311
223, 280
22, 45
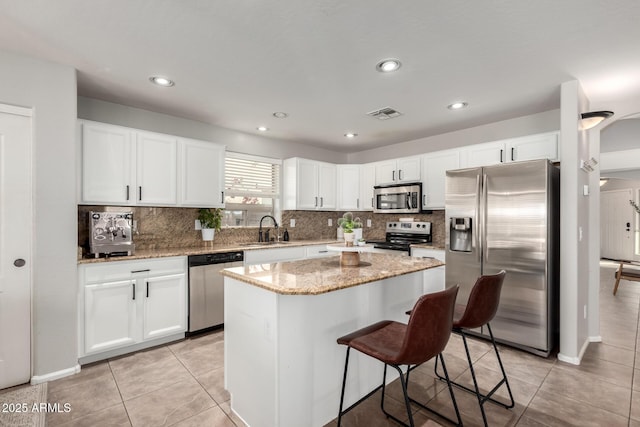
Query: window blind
252, 177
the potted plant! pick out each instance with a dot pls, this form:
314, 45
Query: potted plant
210, 222
349, 225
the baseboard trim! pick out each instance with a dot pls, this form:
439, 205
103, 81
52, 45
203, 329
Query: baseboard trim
39, 379
597, 338
130, 349
575, 360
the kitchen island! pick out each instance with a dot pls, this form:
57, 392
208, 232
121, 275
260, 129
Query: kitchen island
283, 366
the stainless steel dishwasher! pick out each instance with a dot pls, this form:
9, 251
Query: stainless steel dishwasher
206, 288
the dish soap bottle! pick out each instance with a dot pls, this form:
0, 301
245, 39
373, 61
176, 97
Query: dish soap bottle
285, 236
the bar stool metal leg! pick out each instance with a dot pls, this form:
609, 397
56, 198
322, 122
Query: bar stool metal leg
482, 398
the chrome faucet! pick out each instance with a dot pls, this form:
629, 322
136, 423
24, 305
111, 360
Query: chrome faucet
266, 237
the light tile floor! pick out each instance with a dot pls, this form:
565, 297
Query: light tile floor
181, 384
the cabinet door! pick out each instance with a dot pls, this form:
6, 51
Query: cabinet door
367, 181
164, 305
348, 184
435, 167
327, 186
107, 153
156, 169
534, 147
409, 169
386, 172
202, 174
307, 185
109, 315
487, 154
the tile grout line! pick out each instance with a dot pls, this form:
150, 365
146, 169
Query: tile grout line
201, 386
119, 392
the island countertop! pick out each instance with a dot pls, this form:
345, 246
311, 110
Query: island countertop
322, 275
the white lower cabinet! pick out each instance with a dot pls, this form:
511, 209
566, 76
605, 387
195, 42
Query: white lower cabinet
164, 306
129, 305
109, 315
434, 278
268, 256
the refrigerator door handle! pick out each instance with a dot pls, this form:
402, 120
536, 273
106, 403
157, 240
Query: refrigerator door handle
483, 242
478, 220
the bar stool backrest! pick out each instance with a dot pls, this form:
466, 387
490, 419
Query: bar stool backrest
429, 327
483, 301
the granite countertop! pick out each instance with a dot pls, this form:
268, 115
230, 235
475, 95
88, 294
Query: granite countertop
322, 275
206, 248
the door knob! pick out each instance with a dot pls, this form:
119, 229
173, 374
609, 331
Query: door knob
19, 262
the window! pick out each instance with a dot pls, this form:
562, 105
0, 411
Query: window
252, 189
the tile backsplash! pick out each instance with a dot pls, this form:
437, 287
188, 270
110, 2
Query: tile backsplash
167, 227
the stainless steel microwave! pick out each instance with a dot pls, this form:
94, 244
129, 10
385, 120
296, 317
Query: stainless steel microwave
403, 198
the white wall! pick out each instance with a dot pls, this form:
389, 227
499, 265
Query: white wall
107, 112
547, 121
574, 250
50, 89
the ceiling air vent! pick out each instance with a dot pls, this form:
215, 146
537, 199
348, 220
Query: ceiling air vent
385, 113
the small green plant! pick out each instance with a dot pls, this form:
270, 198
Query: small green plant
348, 222
210, 218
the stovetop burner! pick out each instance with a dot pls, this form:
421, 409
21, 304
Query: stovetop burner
401, 235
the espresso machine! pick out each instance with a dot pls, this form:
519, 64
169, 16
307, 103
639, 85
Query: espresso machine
110, 233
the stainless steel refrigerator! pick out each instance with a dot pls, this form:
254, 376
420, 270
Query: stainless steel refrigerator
507, 217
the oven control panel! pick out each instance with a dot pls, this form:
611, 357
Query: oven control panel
409, 227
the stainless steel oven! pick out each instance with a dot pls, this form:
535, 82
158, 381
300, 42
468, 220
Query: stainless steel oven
401, 235
403, 198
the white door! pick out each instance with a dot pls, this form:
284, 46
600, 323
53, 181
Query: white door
491, 153
409, 169
106, 164
164, 306
348, 187
616, 224
307, 185
327, 186
109, 315
434, 173
202, 174
15, 245
367, 181
156, 169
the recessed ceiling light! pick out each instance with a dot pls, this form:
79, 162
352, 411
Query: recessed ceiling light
161, 81
280, 115
350, 135
457, 105
388, 65
262, 128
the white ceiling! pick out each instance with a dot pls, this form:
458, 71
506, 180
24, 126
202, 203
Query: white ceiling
235, 62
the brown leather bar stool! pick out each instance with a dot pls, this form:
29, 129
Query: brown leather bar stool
479, 311
395, 344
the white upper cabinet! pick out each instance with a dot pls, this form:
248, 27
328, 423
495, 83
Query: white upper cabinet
202, 177
349, 187
397, 171
107, 156
327, 186
309, 185
156, 169
123, 166
367, 181
434, 171
532, 147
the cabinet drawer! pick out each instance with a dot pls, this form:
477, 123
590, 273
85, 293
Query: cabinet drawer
115, 270
318, 251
